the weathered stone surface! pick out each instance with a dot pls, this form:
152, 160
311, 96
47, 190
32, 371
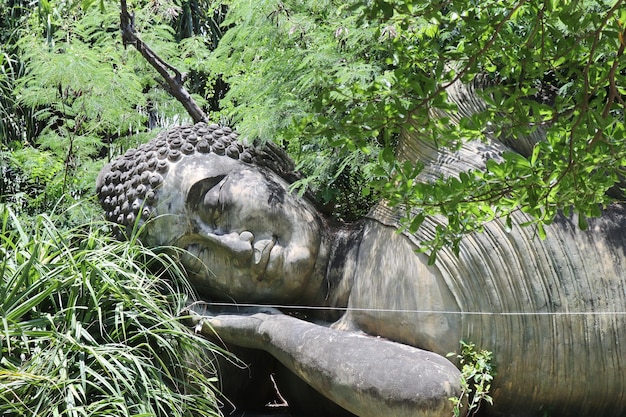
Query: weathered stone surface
552, 311
368, 376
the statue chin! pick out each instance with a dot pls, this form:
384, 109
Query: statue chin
548, 309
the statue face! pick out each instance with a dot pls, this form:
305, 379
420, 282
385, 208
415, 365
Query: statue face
248, 238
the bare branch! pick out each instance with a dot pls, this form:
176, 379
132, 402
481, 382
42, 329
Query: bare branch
172, 76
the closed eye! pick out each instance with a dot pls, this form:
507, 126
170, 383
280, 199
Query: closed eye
197, 193
212, 206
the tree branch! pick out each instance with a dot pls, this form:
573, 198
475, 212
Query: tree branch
472, 59
172, 76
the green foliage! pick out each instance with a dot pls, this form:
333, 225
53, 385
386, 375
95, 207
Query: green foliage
16, 121
197, 25
281, 60
338, 81
477, 372
564, 79
37, 167
73, 93
91, 327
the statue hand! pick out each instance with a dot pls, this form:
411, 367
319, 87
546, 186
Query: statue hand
238, 325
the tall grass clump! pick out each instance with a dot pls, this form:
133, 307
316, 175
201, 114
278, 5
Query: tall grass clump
90, 326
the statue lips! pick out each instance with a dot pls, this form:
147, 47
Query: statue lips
241, 246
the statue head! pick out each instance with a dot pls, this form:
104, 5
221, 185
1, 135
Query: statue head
228, 204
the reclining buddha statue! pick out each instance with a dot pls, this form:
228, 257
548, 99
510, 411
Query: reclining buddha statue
354, 311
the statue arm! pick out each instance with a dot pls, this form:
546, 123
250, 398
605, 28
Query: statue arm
366, 375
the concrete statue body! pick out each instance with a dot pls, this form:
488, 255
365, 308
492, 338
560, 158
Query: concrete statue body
552, 311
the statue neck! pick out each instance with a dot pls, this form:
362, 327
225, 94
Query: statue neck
344, 248
332, 280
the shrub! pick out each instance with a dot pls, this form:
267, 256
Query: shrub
90, 327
